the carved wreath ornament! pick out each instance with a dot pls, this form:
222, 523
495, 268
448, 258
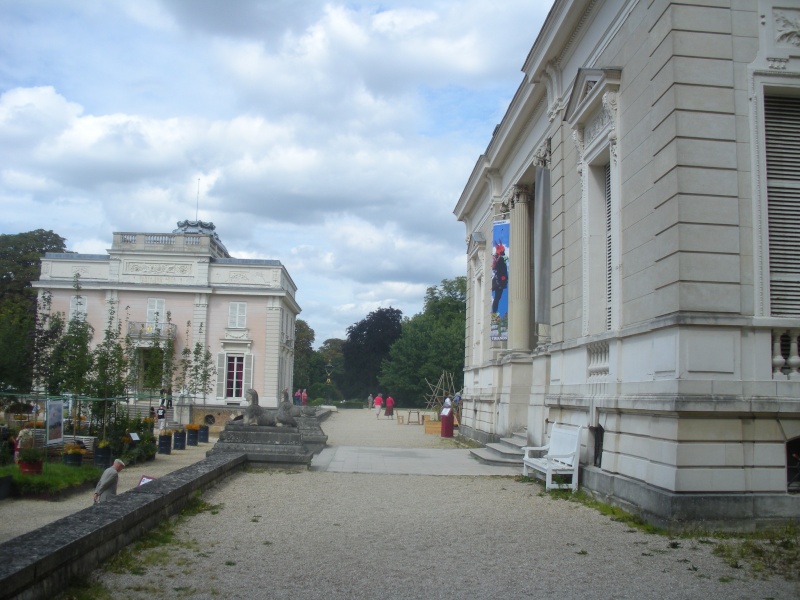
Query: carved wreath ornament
787, 27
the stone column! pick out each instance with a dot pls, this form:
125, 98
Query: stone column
519, 284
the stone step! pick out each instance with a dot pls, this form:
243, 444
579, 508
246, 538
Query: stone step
515, 441
490, 457
505, 450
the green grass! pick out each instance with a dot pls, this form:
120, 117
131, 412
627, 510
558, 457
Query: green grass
55, 478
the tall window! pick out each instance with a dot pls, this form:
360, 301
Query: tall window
155, 310
782, 132
234, 374
77, 308
234, 377
237, 315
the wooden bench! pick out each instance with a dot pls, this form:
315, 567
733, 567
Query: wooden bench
561, 457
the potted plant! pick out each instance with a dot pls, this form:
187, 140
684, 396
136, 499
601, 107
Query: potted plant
192, 433
30, 460
179, 440
165, 442
102, 454
73, 455
202, 435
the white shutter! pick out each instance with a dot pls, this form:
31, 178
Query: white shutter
221, 374
609, 299
247, 380
782, 133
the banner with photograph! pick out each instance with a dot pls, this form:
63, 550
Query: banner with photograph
500, 253
55, 422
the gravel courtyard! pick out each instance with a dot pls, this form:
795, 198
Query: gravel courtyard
317, 534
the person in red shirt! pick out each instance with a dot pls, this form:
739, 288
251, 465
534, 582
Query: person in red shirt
378, 405
389, 412
304, 398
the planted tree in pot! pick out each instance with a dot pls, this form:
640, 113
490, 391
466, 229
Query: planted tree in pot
192, 434
73, 455
30, 460
165, 442
102, 454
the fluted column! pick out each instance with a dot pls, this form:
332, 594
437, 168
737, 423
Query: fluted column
519, 299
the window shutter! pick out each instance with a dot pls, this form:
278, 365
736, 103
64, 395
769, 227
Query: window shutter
221, 374
247, 382
608, 244
782, 132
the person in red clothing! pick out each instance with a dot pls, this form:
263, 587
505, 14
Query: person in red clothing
378, 405
389, 412
304, 398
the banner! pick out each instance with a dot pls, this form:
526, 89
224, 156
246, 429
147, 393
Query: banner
500, 253
55, 422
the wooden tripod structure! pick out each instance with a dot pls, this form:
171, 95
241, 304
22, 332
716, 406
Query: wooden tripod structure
444, 388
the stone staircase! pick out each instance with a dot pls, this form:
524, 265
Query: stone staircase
506, 453
143, 410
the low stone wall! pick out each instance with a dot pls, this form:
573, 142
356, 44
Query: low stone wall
40, 564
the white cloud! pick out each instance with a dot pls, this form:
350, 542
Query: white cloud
335, 137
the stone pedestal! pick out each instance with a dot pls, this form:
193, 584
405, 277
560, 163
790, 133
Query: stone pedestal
264, 444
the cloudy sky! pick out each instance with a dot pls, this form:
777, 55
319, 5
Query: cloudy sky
335, 136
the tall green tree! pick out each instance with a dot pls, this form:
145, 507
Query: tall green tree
431, 342
367, 345
303, 354
19, 266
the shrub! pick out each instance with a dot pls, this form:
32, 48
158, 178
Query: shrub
192, 426
73, 449
31, 455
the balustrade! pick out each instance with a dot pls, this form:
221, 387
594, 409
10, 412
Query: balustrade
785, 355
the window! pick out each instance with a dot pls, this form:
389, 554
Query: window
237, 315
782, 130
77, 308
234, 377
155, 310
234, 374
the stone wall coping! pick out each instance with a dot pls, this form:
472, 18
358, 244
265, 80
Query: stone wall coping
40, 563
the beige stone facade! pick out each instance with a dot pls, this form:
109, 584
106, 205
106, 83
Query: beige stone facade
242, 310
649, 165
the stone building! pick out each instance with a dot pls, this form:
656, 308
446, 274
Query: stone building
647, 173
241, 310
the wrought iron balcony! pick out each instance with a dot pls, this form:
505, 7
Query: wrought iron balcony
152, 329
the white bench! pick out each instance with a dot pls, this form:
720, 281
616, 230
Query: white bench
561, 457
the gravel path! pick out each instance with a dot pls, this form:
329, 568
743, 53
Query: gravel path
315, 534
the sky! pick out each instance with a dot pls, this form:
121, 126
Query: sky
333, 136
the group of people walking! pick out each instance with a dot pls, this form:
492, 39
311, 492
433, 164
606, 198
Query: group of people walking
378, 403
300, 398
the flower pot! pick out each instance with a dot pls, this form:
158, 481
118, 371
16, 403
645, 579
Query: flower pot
102, 457
73, 460
203, 434
6, 482
31, 468
179, 440
165, 444
192, 436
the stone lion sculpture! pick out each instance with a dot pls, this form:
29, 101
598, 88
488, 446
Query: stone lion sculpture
284, 416
254, 414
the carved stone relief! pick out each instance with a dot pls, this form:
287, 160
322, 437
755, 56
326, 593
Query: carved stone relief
143, 268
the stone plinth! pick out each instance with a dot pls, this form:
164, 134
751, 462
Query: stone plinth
264, 444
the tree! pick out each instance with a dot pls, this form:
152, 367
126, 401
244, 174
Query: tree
202, 369
431, 342
367, 345
303, 354
19, 266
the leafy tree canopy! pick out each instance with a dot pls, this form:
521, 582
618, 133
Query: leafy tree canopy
431, 342
367, 345
19, 266
19, 260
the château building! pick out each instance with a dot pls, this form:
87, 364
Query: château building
643, 193
241, 310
